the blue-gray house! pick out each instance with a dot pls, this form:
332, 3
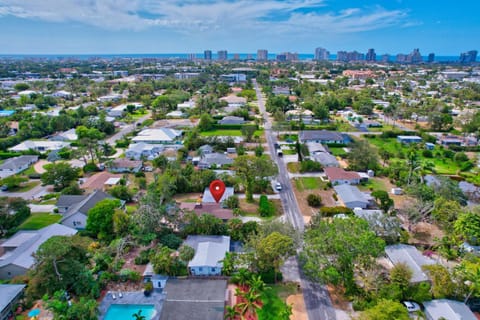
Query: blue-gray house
209, 253
409, 139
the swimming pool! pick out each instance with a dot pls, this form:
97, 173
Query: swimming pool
126, 311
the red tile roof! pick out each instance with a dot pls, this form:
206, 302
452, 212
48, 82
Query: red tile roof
334, 173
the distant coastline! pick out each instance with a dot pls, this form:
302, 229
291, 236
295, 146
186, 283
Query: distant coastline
184, 56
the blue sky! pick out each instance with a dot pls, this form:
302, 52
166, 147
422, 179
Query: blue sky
166, 26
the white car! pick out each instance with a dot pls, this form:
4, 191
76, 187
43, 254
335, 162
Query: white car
278, 186
411, 306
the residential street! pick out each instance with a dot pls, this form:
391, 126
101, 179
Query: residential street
317, 300
33, 193
126, 130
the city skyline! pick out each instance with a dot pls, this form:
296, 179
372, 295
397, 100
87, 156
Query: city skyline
170, 26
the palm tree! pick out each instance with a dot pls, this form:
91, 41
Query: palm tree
250, 302
242, 277
139, 316
256, 283
231, 313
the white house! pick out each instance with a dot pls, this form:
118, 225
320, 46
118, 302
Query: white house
69, 135
209, 253
448, 310
39, 145
137, 151
161, 135
17, 252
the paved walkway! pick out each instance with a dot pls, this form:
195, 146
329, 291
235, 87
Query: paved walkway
38, 166
257, 196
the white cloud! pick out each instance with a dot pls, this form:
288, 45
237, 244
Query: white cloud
190, 16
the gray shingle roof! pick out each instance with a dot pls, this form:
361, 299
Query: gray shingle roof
448, 310
209, 250
350, 193
320, 135
8, 292
22, 255
86, 203
17, 162
409, 255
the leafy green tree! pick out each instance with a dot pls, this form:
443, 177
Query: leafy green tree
253, 171
383, 199
333, 249
248, 131
445, 212
400, 275
206, 122
84, 308
362, 156
265, 207
13, 211
467, 226
89, 143
206, 224
442, 283
186, 253
21, 86
385, 310
60, 174
164, 261
314, 200
14, 181
122, 193
100, 218
61, 263
272, 250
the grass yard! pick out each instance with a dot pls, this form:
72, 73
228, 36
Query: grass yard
309, 183
337, 151
231, 133
26, 187
29, 171
373, 184
39, 220
273, 306
293, 167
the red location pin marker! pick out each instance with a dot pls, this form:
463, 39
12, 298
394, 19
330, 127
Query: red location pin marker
217, 189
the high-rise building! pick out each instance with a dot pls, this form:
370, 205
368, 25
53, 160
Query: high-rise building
191, 56
371, 55
431, 57
321, 54
262, 55
281, 57
415, 56
385, 57
401, 58
207, 54
222, 55
236, 57
350, 56
468, 57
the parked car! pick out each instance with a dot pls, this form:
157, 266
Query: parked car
278, 186
411, 306
4, 188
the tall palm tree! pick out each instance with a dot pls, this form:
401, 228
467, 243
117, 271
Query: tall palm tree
256, 283
242, 277
139, 315
231, 313
250, 302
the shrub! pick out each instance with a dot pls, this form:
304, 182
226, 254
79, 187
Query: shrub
170, 240
460, 157
265, 207
269, 276
314, 200
427, 153
139, 174
143, 258
90, 167
332, 211
232, 202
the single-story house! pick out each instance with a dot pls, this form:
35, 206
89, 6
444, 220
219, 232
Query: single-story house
351, 196
339, 176
210, 159
209, 253
137, 151
231, 120
39, 145
215, 209
17, 251
234, 101
447, 310
98, 181
194, 299
322, 136
277, 90
186, 105
409, 139
125, 165
15, 165
160, 135
208, 198
450, 140
325, 159
10, 295
74, 208
205, 149
69, 135
62, 94
409, 255
175, 114
297, 114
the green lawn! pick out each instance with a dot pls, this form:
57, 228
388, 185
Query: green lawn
26, 187
273, 306
309, 183
39, 220
373, 184
30, 170
337, 152
293, 167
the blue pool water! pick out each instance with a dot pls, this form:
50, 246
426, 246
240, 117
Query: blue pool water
126, 311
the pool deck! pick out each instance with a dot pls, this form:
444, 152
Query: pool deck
136, 297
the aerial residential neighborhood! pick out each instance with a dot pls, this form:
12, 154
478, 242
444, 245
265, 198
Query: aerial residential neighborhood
229, 185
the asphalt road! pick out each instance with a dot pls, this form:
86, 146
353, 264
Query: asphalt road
317, 301
126, 130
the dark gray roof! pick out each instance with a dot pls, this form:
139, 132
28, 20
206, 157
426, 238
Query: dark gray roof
320, 135
448, 310
14, 163
86, 204
8, 292
409, 255
68, 200
194, 299
350, 193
